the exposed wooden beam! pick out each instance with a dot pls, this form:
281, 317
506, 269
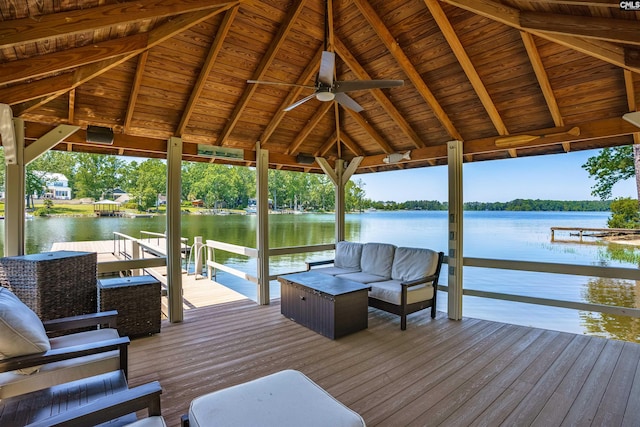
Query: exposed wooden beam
371, 131
465, 62
608, 29
631, 98
378, 94
72, 105
209, 62
326, 146
403, 61
336, 112
317, 116
31, 30
351, 144
603, 50
543, 79
135, 89
307, 74
267, 59
51, 88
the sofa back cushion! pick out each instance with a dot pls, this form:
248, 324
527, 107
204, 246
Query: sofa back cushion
21, 331
377, 258
348, 255
413, 263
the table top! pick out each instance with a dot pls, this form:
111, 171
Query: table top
40, 405
127, 281
325, 283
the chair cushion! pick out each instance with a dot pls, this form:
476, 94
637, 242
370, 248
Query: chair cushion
21, 331
413, 263
390, 291
286, 398
50, 374
149, 422
348, 255
362, 277
377, 259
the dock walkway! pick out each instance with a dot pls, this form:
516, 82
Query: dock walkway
197, 291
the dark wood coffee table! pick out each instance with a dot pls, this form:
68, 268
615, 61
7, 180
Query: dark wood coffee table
326, 304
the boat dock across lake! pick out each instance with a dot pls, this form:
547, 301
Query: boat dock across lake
582, 232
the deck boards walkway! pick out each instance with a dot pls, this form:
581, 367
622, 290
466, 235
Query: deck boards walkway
437, 372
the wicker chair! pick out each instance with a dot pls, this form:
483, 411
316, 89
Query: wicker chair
33, 361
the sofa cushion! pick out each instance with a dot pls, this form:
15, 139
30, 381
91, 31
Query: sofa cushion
391, 290
362, 277
413, 263
21, 331
348, 255
12, 383
377, 259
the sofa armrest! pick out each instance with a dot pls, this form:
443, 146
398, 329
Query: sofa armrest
146, 396
104, 318
59, 354
420, 281
316, 263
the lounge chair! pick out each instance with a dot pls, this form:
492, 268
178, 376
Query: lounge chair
30, 360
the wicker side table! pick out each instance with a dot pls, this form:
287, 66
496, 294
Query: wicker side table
137, 300
53, 284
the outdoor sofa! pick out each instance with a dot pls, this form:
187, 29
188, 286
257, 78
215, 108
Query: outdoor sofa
403, 280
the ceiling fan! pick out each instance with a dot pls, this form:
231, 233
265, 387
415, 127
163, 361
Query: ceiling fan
326, 88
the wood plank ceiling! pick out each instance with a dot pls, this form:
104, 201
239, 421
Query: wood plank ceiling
508, 77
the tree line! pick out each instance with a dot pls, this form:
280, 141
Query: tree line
222, 186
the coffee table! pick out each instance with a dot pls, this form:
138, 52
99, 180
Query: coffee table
328, 305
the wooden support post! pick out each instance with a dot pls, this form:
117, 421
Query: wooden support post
262, 196
174, 253
455, 159
197, 256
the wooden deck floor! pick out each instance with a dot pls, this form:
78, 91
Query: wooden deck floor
437, 372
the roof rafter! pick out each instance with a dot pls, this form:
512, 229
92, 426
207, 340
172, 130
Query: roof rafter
209, 62
135, 89
260, 71
326, 146
609, 52
378, 94
631, 98
317, 116
30, 30
403, 61
52, 87
465, 62
371, 131
309, 71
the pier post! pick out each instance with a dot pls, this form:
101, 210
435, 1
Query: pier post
455, 259
174, 248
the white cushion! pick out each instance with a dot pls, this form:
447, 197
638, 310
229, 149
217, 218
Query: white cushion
149, 422
377, 259
284, 399
413, 263
391, 291
362, 277
348, 255
50, 374
21, 331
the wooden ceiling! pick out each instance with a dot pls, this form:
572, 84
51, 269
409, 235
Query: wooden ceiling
509, 78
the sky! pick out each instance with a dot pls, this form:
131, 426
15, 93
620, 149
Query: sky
548, 177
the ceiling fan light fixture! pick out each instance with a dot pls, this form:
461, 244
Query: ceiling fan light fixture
325, 96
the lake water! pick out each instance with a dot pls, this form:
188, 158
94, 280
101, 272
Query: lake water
499, 235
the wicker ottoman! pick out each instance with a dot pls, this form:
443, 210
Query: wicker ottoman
137, 300
53, 284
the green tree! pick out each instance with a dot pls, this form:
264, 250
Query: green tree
97, 175
624, 214
610, 166
151, 180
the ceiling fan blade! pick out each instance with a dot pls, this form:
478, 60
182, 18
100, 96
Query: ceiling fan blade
348, 102
302, 101
352, 85
327, 68
261, 82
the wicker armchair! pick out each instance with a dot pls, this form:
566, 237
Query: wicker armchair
74, 356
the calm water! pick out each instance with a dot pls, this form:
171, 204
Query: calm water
500, 235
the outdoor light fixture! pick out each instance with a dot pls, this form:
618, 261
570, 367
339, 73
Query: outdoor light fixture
99, 135
305, 159
325, 96
633, 118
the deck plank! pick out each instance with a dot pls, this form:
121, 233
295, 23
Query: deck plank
441, 370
